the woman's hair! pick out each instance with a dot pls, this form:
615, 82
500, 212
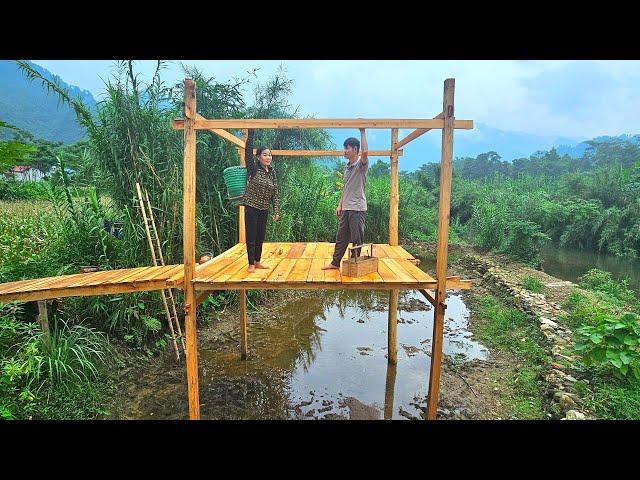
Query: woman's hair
250, 160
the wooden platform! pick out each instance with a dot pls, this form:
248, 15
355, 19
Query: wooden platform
85, 284
292, 265
299, 266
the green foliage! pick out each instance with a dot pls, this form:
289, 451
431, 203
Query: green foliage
612, 343
13, 191
13, 152
532, 284
31, 364
601, 281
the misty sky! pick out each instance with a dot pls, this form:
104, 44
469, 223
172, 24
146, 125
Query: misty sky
579, 99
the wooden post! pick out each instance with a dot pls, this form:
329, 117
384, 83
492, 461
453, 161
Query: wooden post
43, 321
242, 235
189, 246
394, 195
243, 324
442, 247
392, 342
242, 238
389, 391
392, 329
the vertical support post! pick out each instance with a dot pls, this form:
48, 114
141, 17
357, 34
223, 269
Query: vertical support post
389, 389
43, 321
392, 329
242, 235
392, 341
189, 246
243, 324
442, 247
394, 194
242, 238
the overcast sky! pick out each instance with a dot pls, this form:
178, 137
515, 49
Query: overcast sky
579, 99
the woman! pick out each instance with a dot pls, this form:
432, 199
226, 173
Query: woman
261, 190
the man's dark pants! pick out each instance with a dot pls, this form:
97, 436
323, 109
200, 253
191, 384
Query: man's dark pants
350, 229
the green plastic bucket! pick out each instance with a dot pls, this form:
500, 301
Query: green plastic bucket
235, 178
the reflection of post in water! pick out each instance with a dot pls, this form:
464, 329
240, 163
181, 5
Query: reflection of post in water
388, 390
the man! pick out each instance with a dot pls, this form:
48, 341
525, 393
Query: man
352, 208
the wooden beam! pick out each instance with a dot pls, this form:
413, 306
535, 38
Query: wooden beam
84, 291
43, 321
296, 123
326, 285
223, 133
442, 247
243, 324
392, 329
416, 133
189, 243
326, 153
242, 233
429, 295
394, 194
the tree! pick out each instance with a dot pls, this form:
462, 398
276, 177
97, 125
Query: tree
13, 152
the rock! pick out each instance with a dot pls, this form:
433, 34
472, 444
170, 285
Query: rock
310, 413
546, 321
575, 415
558, 366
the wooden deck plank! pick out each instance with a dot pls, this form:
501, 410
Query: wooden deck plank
20, 285
398, 271
267, 259
309, 250
332, 276
230, 270
213, 270
281, 272
420, 275
387, 249
401, 252
300, 270
325, 251
379, 252
297, 250
316, 274
387, 273
373, 277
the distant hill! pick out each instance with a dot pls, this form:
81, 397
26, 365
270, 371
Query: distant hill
578, 150
27, 105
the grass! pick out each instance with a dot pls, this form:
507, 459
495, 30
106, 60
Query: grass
532, 284
509, 330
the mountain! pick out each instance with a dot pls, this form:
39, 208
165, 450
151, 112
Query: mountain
27, 105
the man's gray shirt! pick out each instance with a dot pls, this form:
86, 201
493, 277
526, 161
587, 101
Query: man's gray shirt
355, 179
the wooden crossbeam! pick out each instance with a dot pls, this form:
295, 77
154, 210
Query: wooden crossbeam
416, 133
430, 123
222, 133
325, 153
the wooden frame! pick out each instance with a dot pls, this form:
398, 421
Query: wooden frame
444, 121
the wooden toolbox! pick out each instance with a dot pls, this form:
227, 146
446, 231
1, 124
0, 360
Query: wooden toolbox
360, 265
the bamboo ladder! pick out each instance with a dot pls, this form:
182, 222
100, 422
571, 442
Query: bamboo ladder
150, 226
